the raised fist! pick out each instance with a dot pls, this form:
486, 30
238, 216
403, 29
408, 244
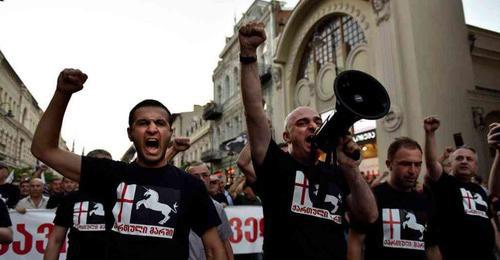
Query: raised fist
251, 35
181, 144
494, 136
70, 81
431, 124
347, 147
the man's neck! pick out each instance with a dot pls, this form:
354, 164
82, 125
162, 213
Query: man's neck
396, 187
463, 178
36, 200
144, 164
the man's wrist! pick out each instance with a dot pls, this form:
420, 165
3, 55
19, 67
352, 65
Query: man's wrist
248, 52
248, 59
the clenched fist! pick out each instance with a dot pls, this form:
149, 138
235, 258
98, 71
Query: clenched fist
251, 35
181, 144
345, 148
494, 136
431, 124
70, 81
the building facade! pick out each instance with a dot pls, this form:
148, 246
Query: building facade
428, 59
191, 124
226, 111
19, 116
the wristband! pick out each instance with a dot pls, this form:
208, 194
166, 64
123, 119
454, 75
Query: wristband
248, 59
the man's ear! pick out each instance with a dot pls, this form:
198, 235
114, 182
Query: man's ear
388, 164
286, 137
129, 134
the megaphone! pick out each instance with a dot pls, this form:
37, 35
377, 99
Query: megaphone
359, 96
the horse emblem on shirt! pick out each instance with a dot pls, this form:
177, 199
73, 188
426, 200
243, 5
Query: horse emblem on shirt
151, 202
411, 223
98, 210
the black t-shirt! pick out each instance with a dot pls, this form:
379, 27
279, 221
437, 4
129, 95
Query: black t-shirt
153, 209
303, 208
404, 228
85, 219
4, 215
463, 216
55, 200
9, 194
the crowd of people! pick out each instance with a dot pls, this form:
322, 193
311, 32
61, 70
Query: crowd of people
314, 208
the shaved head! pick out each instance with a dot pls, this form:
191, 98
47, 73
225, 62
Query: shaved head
292, 116
36, 180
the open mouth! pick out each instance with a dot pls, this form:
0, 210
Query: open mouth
309, 139
152, 145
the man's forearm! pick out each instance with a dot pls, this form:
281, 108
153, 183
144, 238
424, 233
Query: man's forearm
48, 130
363, 205
251, 92
56, 240
245, 164
216, 252
5, 235
431, 158
494, 181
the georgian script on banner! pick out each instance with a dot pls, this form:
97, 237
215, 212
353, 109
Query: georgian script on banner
31, 231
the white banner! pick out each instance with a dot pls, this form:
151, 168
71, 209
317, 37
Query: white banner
31, 231
247, 223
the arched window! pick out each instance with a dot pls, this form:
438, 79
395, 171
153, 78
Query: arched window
331, 41
236, 76
218, 94
23, 119
227, 88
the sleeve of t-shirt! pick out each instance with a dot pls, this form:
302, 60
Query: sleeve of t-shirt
202, 205
14, 197
268, 174
98, 175
4, 215
224, 229
64, 213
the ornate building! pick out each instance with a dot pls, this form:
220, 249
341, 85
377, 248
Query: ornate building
19, 116
191, 124
428, 59
226, 112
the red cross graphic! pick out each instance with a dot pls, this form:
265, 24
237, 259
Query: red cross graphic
391, 223
122, 200
305, 187
80, 212
468, 198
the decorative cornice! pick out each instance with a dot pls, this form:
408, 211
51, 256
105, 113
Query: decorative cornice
382, 10
342, 7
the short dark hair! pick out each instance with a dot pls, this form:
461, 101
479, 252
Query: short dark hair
149, 103
401, 142
467, 148
97, 152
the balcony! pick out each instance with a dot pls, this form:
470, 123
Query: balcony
211, 156
212, 111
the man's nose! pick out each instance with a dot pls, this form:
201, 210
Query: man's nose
152, 127
312, 125
413, 169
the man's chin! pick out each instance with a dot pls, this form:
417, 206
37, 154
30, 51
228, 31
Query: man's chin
151, 159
